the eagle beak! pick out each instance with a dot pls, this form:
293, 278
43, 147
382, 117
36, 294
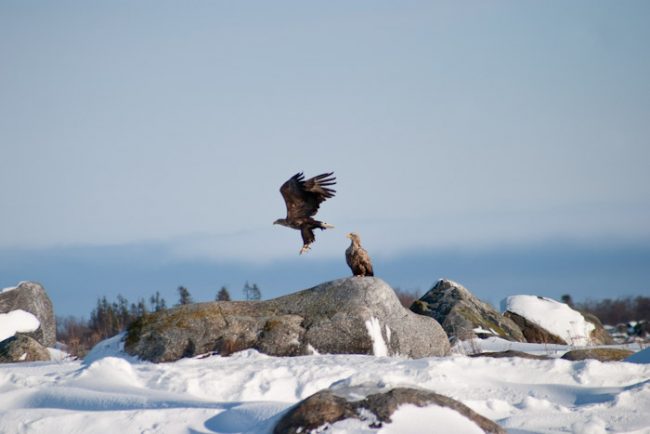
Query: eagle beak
349, 236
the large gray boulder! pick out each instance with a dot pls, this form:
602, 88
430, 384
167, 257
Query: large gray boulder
357, 315
462, 315
31, 297
329, 406
22, 348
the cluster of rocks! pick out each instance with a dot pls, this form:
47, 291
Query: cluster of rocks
28, 298
346, 316
630, 332
358, 315
464, 317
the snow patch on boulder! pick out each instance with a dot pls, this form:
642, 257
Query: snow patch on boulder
17, 321
557, 318
379, 347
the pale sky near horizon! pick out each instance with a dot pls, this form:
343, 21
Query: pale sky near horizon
447, 123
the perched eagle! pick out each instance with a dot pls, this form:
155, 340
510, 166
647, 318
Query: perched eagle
303, 199
357, 257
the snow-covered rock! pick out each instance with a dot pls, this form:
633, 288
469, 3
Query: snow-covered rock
32, 298
346, 316
533, 332
372, 407
544, 320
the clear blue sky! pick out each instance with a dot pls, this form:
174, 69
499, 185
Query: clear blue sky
468, 125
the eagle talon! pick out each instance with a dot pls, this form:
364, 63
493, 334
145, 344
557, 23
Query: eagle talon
305, 248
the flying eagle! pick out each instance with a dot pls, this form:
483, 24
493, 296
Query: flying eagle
357, 257
303, 199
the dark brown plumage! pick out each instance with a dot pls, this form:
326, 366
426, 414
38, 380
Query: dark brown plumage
357, 257
303, 199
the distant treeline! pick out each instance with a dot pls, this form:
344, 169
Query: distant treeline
110, 318
617, 311
407, 297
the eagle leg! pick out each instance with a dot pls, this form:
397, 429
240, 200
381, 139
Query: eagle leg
305, 248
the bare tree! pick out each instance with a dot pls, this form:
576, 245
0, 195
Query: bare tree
407, 297
157, 302
252, 292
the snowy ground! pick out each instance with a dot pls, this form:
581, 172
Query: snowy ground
248, 391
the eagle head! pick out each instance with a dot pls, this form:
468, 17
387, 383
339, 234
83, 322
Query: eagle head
282, 222
354, 237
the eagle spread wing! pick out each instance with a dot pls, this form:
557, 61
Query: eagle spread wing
304, 197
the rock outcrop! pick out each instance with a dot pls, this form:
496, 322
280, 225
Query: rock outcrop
462, 315
510, 353
31, 297
601, 354
332, 405
598, 336
22, 348
533, 332
358, 315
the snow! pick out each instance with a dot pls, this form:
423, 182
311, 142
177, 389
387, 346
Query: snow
17, 321
379, 347
248, 392
495, 344
58, 355
558, 318
108, 348
481, 330
410, 419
